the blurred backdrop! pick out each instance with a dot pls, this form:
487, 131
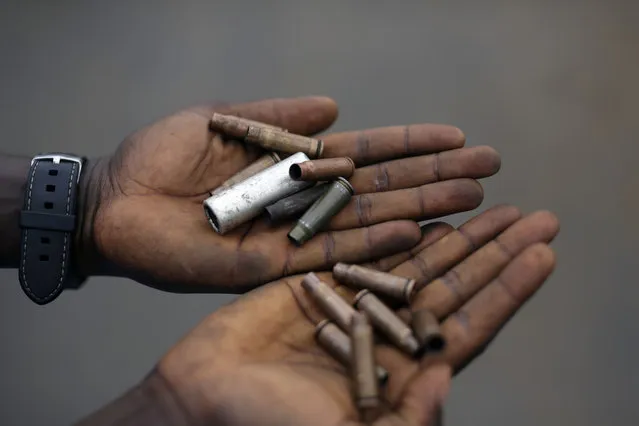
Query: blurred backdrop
552, 85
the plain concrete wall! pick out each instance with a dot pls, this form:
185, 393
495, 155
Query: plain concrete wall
552, 85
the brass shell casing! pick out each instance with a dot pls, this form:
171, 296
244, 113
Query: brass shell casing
277, 140
378, 282
338, 344
384, 319
335, 308
323, 169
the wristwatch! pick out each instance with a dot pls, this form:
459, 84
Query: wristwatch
48, 221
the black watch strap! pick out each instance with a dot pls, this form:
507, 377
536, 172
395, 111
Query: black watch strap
48, 222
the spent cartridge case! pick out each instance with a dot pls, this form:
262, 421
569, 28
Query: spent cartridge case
294, 205
335, 308
338, 344
323, 169
378, 282
363, 367
277, 140
264, 162
427, 330
236, 127
320, 213
384, 319
239, 203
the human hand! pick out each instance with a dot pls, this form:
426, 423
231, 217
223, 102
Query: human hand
143, 206
255, 361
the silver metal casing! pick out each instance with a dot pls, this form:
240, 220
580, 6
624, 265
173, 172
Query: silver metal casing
235, 205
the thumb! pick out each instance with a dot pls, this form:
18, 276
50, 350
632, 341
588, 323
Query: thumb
425, 395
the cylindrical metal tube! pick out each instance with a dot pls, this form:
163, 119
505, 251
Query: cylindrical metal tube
277, 140
335, 308
245, 200
363, 356
293, 206
236, 127
323, 169
427, 331
375, 281
262, 163
387, 322
337, 343
320, 213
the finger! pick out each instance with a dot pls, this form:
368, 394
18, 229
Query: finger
352, 246
477, 162
424, 397
422, 203
472, 328
386, 143
453, 289
437, 258
431, 232
304, 116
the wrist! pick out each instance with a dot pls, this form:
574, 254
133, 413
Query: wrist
90, 191
150, 402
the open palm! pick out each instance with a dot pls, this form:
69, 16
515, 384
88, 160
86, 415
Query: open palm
147, 221
255, 361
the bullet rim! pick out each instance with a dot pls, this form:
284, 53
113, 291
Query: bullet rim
275, 156
320, 326
409, 289
359, 296
320, 148
346, 184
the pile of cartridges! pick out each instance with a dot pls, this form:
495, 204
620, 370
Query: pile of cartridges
347, 333
290, 181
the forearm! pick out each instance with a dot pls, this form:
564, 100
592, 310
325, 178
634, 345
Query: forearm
149, 403
13, 179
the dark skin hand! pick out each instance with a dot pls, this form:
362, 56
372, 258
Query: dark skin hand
255, 361
144, 217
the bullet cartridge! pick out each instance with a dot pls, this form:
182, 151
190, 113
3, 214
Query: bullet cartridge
264, 162
338, 344
277, 140
320, 213
323, 169
363, 366
378, 282
384, 319
294, 205
236, 127
427, 331
335, 308
237, 204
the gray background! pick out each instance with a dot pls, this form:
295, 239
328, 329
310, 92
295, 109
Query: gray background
552, 85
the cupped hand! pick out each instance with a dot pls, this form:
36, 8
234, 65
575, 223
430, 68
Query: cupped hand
255, 361
144, 217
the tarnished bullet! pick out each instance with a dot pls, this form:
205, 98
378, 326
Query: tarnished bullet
427, 331
320, 213
324, 169
237, 204
387, 322
277, 140
236, 127
375, 281
338, 344
293, 206
335, 308
363, 356
264, 162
